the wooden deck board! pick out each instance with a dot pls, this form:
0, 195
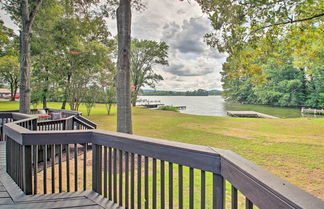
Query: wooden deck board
12, 197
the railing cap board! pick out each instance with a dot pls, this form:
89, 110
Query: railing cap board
255, 182
80, 117
57, 137
64, 111
5, 114
22, 117
14, 131
195, 156
91, 126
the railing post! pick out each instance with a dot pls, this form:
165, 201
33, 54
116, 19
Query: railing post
27, 169
96, 168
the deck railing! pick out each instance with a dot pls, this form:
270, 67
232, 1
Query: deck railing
141, 172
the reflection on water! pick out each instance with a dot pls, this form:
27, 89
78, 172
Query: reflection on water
216, 106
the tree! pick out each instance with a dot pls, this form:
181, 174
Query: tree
90, 98
9, 71
144, 55
24, 11
9, 64
124, 112
109, 97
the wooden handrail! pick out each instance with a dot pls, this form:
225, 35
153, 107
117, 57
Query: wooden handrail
260, 187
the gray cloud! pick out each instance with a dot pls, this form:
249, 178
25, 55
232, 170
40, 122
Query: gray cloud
199, 67
187, 38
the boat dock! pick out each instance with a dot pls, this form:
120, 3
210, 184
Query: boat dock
181, 107
151, 105
249, 114
312, 111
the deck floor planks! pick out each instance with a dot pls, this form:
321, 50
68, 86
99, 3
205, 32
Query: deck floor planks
12, 197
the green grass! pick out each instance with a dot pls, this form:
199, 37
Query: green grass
290, 148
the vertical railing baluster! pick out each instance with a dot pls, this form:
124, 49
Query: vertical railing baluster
85, 150
27, 169
162, 184
154, 183
60, 168
203, 190
139, 181
218, 192
180, 184
67, 167
146, 182
120, 177
126, 180
248, 204
105, 171
234, 198
170, 185
35, 155
132, 181
110, 173
20, 166
75, 167
97, 168
53, 167
115, 175
191, 188
45, 169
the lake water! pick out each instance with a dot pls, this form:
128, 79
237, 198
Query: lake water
197, 105
216, 106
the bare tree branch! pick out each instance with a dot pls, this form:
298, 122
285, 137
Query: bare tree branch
288, 22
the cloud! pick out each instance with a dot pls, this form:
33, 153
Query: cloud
194, 67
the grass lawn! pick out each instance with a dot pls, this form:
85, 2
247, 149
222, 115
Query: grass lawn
290, 148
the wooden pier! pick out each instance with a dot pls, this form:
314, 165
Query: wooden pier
151, 105
181, 107
312, 111
249, 114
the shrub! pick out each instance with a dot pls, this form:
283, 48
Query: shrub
168, 108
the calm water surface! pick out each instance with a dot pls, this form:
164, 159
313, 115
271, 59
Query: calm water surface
197, 105
216, 106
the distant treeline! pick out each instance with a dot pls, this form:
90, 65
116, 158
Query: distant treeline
199, 92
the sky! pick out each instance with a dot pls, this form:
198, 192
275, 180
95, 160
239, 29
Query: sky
182, 25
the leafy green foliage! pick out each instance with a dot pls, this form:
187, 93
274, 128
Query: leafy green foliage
9, 63
168, 108
275, 50
90, 98
144, 55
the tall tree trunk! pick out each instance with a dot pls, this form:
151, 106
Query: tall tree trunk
27, 19
15, 89
65, 97
45, 92
12, 98
24, 68
124, 111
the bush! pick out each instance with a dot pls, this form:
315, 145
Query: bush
168, 108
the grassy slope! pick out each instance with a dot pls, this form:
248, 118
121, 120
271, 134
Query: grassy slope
290, 148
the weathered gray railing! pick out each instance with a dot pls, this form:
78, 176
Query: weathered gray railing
141, 172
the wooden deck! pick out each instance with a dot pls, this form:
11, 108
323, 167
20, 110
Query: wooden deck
249, 114
12, 197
